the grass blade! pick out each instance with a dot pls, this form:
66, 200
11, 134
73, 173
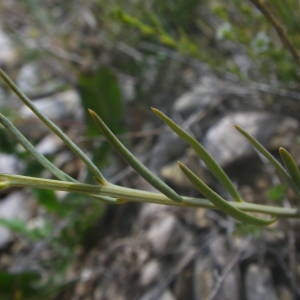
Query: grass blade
54, 128
209, 161
219, 202
43, 160
31, 149
290, 165
283, 174
133, 161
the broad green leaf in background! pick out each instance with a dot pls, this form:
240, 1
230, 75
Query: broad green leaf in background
52, 204
100, 92
19, 226
18, 286
277, 192
6, 144
246, 229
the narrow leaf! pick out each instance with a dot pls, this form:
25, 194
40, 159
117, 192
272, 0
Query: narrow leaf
133, 161
20, 226
283, 174
209, 161
95, 88
291, 165
53, 127
41, 158
219, 202
31, 149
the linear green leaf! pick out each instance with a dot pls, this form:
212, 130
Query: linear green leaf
283, 174
42, 159
291, 165
31, 149
53, 127
209, 161
219, 202
133, 161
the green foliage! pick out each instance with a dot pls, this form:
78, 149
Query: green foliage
18, 286
175, 25
243, 25
100, 92
243, 229
49, 201
20, 227
6, 144
209, 161
291, 166
176, 14
110, 193
277, 193
238, 22
181, 41
133, 161
26, 285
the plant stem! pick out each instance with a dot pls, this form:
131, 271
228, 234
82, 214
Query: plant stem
135, 195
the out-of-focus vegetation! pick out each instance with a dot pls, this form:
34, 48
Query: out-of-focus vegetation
92, 42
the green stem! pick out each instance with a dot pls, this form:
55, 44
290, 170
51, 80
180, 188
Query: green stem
133, 195
41, 158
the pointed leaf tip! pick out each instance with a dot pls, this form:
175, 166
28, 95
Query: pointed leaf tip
203, 154
91, 112
291, 166
158, 112
154, 109
282, 149
221, 203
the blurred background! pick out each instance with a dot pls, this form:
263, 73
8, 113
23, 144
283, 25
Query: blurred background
208, 65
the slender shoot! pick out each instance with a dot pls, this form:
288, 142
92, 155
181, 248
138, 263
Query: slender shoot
154, 180
290, 165
219, 202
209, 161
53, 127
281, 171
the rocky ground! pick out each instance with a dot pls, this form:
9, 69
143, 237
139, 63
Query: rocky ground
147, 251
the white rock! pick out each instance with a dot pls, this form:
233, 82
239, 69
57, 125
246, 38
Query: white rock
161, 232
57, 107
208, 92
259, 285
34, 78
226, 144
9, 164
49, 144
149, 272
12, 207
8, 53
200, 95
